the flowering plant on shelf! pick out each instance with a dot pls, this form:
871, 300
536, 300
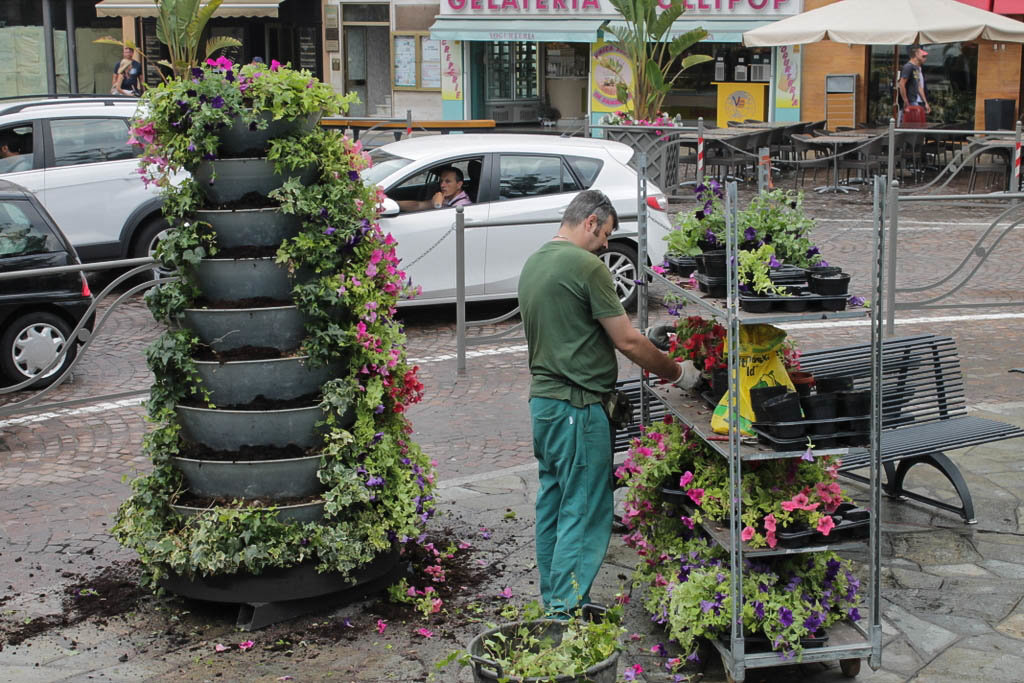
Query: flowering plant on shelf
702, 229
699, 340
624, 118
686, 576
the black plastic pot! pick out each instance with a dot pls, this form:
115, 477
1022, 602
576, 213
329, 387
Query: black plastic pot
714, 263
758, 395
824, 270
701, 265
829, 285
803, 382
784, 408
830, 385
755, 304
719, 383
795, 304
833, 303
856, 404
820, 407
681, 265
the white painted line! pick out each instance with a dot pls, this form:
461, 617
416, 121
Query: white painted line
479, 353
926, 320
71, 412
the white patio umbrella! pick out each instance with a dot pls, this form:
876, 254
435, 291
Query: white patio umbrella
888, 22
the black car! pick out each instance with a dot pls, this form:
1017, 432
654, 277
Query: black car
37, 314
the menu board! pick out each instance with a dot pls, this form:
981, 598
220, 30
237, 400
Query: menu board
307, 48
405, 62
430, 71
151, 45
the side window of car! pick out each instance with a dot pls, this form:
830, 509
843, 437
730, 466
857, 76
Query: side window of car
425, 183
86, 141
22, 231
532, 176
586, 169
16, 148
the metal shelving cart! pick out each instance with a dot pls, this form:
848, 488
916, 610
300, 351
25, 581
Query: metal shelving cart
849, 642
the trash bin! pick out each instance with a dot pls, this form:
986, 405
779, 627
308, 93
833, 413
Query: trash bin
999, 114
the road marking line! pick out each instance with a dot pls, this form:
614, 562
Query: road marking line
72, 412
864, 322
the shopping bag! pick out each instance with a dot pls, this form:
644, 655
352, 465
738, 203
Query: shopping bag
913, 116
760, 366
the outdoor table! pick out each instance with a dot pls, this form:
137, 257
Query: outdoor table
835, 142
1004, 146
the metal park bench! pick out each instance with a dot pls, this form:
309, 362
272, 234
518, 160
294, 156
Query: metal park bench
924, 411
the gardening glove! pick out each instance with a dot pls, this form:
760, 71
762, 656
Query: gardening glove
659, 335
690, 376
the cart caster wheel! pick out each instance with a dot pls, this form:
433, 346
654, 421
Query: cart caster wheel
850, 667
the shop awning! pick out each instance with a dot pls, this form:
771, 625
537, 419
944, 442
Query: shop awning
147, 8
537, 30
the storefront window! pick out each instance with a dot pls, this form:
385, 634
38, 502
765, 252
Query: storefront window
950, 76
511, 71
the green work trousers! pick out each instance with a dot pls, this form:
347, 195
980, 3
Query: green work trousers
574, 503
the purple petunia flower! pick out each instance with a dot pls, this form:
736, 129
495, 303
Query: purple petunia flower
750, 234
353, 175
323, 213
774, 262
379, 409
854, 614
197, 73
375, 481
785, 617
813, 622
229, 76
709, 235
330, 230
758, 609
706, 606
793, 583
823, 263
812, 251
856, 301
217, 102
808, 456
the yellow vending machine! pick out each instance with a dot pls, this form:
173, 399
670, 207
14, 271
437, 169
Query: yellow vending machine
741, 101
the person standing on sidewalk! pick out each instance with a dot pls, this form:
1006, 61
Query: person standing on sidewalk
574, 322
911, 87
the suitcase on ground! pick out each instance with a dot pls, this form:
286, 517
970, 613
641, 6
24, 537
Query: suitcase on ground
913, 115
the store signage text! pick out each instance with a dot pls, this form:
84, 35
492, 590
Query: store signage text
722, 7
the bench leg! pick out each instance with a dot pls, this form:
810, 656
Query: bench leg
950, 471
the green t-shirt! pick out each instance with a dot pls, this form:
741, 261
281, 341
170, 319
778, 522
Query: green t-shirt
563, 292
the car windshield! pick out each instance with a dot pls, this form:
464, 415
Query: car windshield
384, 164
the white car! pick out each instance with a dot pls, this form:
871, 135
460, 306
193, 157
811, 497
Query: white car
521, 182
75, 157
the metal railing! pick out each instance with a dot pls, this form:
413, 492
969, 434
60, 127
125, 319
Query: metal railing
81, 334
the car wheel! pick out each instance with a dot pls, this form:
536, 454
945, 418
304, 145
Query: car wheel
145, 243
29, 345
621, 260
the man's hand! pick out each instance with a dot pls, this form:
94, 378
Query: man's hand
927, 108
690, 376
659, 336
438, 200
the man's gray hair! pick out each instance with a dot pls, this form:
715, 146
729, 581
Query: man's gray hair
590, 202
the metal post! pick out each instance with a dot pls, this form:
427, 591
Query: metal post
764, 170
51, 67
891, 210
460, 290
408, 122
891, 169
1015, 182
700, 150
69, 13
875, 444
641, 277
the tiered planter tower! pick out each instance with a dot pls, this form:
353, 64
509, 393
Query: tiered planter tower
283, 479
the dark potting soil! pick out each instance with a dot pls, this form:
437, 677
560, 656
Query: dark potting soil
249, 200
247, 252
188, 500
261, 402
198, 451
108, 592
206, 353
252, 302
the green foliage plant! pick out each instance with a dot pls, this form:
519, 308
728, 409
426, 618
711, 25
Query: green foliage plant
642, 37
378, 483
777, 217
753, 268
704, 225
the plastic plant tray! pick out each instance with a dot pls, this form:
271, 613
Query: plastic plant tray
761, 643
801, 300
787, 275
850, 522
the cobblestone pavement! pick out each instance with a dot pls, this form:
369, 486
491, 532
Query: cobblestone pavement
951, 596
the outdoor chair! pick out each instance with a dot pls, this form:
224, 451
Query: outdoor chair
806, 156
728, 161
868, 161
994, 165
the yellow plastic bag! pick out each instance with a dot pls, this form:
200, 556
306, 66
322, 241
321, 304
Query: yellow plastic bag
760, 366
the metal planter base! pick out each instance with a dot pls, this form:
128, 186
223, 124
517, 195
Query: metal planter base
229, 430
280, 594
243, 278
239, 138
288, 478
279, 327
239, 382
228, 180
250, 227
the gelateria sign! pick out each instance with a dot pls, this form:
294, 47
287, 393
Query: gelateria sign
527, 9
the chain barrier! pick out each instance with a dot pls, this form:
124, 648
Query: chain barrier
430, 249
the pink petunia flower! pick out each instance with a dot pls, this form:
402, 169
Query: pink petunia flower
696, 495
220, 648
425, 632
685, 479
381, 626
825, 525
274, 65
507, 593
247, 645
747, 533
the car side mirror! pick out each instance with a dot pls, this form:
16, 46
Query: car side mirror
389, 207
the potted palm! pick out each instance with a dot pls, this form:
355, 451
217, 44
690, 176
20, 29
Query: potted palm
656, 67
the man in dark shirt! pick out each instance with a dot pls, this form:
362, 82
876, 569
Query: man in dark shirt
912, 80
127, 75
